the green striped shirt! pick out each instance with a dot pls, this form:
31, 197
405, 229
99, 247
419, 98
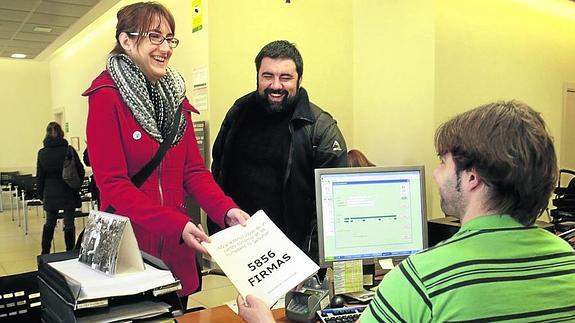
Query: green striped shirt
493, 269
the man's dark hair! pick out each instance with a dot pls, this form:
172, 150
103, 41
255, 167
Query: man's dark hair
508, 145
281, 49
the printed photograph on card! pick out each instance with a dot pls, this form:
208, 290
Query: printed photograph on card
101, 241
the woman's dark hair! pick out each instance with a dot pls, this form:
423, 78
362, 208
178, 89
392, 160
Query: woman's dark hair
140, 17
54, 130
508, 145
356, 158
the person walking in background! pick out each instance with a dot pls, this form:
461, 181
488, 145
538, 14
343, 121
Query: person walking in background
55, 194
132, 107
356, 158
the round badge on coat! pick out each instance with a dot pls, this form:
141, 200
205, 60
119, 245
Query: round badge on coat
137, 135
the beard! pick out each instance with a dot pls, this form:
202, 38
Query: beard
276, 107
452, 201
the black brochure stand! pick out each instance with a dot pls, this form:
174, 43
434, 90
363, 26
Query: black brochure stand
59, 302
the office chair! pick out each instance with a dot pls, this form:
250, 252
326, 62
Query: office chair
6, 180
29, 196
563, 216
17, 189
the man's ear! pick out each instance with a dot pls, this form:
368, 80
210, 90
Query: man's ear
299, 81
473, 180
126, 42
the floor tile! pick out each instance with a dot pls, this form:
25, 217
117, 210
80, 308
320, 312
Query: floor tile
216, 296
193, 303
21, 266
215, 281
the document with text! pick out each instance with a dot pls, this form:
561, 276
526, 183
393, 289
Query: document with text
259, 259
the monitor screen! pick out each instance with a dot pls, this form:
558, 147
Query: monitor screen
370, 212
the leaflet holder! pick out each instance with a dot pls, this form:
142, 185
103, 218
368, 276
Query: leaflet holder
58, 297
302, 305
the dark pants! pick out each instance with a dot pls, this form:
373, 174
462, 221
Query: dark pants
184, 302
50, 225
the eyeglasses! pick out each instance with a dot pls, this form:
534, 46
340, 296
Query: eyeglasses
158, 39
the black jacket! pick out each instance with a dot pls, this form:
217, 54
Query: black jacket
316, 143
52, 189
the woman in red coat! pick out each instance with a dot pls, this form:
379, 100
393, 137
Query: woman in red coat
131, 108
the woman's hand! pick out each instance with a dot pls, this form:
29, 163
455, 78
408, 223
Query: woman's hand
254, 310
236, 216
193, 236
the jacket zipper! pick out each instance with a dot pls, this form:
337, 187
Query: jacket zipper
288, 168
160, 184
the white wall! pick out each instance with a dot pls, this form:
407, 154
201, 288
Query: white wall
490, 50
322, 31
227, 46
389, 71
25, 106
393, 89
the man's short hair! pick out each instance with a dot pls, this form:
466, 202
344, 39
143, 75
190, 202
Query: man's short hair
508, 145
281, 49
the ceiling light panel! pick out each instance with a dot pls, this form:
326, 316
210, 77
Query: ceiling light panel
40, 29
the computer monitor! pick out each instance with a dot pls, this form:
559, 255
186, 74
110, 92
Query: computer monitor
370, 213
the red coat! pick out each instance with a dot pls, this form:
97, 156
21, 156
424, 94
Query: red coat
118, 148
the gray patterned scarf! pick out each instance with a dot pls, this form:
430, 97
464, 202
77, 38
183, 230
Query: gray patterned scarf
153, 105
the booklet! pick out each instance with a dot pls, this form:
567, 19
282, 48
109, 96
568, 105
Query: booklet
109, 244
259, 259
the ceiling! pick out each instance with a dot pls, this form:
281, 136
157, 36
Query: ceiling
32, 26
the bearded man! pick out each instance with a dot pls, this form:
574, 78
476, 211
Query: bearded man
270, 142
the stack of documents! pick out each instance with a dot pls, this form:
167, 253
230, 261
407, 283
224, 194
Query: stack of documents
95, 284
71, 291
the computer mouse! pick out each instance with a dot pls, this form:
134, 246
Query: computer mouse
337, 301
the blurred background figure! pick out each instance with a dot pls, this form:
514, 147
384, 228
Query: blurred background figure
92, 187
55, 194
356, 158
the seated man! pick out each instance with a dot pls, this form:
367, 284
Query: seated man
497, 171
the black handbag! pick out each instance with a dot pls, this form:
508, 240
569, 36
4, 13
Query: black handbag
142, 175
70, 171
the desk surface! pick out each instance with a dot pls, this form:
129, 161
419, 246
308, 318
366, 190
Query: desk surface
223, 314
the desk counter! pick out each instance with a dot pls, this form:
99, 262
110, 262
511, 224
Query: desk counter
223, 314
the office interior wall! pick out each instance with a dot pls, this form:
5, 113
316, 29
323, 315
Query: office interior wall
515, 49
567, 160
322, 31
73, 67
232, 34
389, 71
25, 111
418, 63
393, 89
489, 50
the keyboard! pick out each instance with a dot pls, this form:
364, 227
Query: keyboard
340, 315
